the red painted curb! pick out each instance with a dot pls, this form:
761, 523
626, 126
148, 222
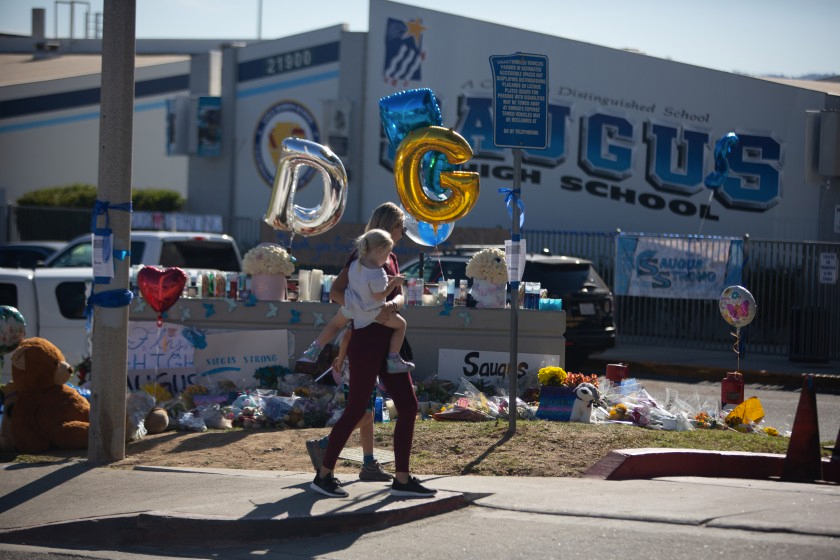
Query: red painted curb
627, 464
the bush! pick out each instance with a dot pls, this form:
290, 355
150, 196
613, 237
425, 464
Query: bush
71, 196
157, 200
83, 196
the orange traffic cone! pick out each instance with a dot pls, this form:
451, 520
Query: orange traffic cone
802, 462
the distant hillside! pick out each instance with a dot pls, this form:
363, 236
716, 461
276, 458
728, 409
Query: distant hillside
810, 77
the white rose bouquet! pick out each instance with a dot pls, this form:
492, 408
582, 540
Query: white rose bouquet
488, 265
268, 258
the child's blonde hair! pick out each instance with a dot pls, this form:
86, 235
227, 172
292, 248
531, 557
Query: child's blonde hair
372, 240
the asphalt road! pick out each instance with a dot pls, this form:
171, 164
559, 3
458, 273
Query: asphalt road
482, 532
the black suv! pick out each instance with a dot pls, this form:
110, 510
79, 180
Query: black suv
587, 300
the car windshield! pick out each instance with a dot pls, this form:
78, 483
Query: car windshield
81, 253
434, 269
564, 279
199, 254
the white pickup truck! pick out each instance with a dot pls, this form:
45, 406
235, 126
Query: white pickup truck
52, 299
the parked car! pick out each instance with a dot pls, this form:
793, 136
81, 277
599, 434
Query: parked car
27, 254
161, 248
52, 298
587, 300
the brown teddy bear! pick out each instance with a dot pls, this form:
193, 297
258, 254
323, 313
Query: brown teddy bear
9, 396
47, 412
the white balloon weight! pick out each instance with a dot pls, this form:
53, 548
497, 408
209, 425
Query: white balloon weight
424, 233
283, 213
737, 306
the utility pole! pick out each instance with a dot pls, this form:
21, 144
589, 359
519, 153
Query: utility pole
106, 441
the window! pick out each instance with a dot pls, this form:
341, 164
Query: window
72, 298
199, 254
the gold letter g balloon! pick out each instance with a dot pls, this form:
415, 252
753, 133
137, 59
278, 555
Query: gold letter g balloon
407, 175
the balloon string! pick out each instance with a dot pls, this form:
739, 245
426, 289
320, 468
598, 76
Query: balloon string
157, 359
708, 207
737, 348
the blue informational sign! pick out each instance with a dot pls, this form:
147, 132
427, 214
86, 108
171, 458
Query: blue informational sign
520, 95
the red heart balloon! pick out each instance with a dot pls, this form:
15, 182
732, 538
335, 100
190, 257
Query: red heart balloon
161, 288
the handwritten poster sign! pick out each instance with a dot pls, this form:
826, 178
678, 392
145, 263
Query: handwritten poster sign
235, 356
162, 356
520, 90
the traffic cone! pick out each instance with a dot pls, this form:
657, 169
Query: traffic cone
802, 461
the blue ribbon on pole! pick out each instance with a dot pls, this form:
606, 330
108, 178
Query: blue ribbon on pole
102, 206
511, 198
109, 298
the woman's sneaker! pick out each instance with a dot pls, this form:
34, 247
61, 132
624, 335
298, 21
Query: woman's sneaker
312, 353
398, 365
328, 486
373, 472
411, 489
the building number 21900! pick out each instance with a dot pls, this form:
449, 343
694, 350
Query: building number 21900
289, 61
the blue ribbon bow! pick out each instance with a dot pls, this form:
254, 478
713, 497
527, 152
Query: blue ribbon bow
511, 198
102, 206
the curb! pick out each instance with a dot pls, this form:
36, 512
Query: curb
185, 530
647, 463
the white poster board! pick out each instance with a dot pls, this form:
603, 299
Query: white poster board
162, 356
235, 356
488, 367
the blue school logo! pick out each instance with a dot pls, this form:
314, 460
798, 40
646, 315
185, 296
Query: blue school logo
404, 52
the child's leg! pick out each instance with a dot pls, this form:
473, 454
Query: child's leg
395, 363
396, 322
332, 329
329, 332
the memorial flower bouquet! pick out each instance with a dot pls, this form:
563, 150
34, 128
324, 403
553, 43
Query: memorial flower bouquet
268, 258
488, 265
553, 376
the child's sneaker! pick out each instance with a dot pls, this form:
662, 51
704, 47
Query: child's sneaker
312, 353
329, 486
375, 473
398, 365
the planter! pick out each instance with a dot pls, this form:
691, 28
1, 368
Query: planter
556, 403
269, 287
487, 294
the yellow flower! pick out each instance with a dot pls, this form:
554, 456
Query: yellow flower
552, 375
159, 393
771, 431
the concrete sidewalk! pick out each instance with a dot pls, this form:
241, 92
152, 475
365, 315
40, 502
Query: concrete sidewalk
60, 504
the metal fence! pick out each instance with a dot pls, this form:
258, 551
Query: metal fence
798, 314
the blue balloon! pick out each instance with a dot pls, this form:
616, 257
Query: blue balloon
723, 148
411, 110
424, 233
406, 111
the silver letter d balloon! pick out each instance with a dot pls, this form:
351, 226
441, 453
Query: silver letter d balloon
283, 213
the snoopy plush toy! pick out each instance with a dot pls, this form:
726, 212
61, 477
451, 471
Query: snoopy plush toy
586, 395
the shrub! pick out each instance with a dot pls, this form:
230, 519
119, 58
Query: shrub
81, 195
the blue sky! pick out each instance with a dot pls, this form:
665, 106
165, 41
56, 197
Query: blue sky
748, 36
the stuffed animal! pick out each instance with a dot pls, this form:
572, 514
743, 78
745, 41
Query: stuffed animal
47, 413
8, 396
586, 395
